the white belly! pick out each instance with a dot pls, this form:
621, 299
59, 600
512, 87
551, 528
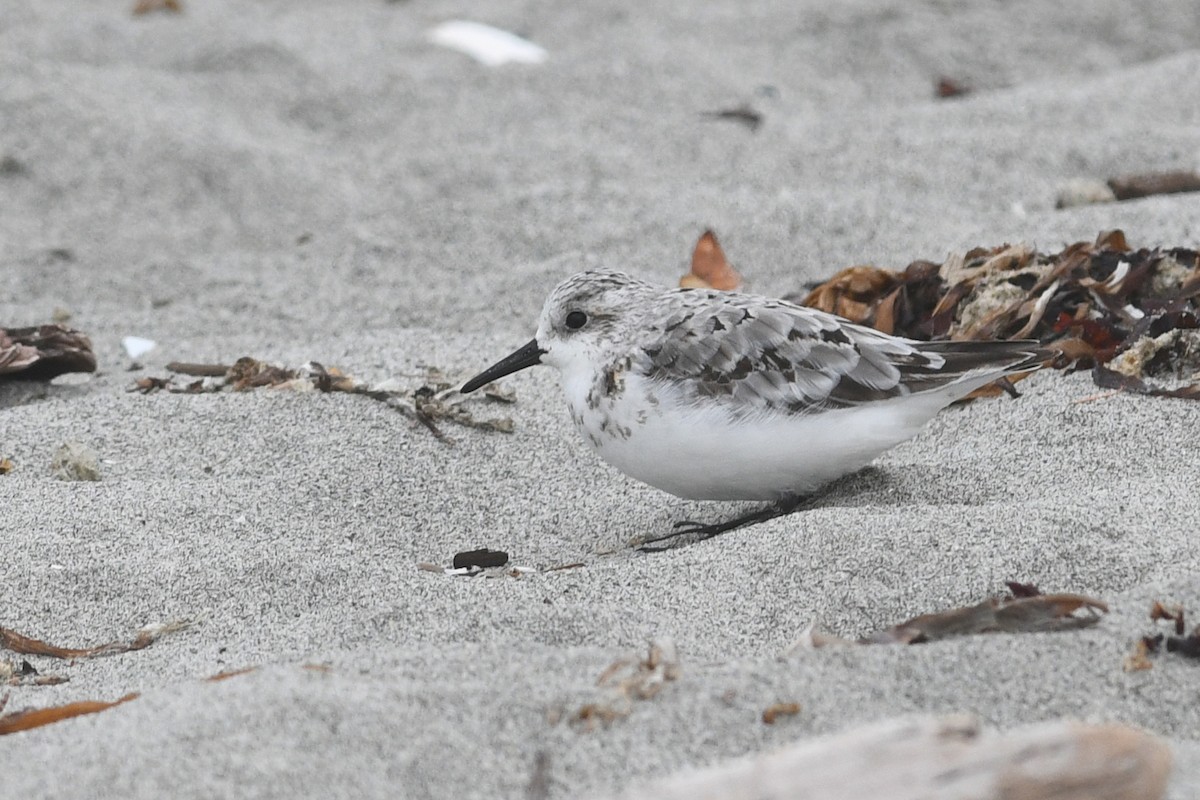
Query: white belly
702, 453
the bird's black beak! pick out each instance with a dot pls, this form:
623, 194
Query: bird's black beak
527, 356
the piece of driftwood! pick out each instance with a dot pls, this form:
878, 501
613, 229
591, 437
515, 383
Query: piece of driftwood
1131, 187
939, 758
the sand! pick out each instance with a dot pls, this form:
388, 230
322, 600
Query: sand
303, 180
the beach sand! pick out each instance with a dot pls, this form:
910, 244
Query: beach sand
304, 181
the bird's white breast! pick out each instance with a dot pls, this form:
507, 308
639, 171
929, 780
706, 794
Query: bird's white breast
649, 431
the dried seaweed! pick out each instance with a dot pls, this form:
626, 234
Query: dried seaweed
146, 636
44, 352
142, 7
627, 680
29, 676
1129, 315
1025, 609
946, 87
35, 718
1181, 643
1036, 614
434, 400
25, 674
229, 673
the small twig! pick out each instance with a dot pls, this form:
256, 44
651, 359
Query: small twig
199, 370
576, 565
1091, 398
394, 401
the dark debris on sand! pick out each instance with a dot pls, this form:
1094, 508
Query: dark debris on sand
1130, 316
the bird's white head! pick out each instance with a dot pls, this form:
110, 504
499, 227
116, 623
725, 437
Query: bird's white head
582, 319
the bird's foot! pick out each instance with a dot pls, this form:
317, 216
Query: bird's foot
703, 531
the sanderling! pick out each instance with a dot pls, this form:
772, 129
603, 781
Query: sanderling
724, 396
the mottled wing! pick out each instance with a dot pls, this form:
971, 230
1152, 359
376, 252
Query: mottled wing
765, 355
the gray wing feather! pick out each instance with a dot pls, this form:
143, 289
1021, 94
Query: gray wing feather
765, 355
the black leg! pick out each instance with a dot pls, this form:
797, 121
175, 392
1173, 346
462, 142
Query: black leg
780, 508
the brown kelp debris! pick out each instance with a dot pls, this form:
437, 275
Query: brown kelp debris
776, 710
6, 465
627, 680
225, 675
146, 636
25, 674
150, 6
1173, 614
1181, 643
1008, 614
710, 268
1024, 609
946, 87
1129, 315
44, 352
16, 721
433, 400
1167, 364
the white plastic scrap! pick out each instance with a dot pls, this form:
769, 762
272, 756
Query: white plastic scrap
487, 45
137, 347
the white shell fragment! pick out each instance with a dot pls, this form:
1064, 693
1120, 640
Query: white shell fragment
1083, 192
137, 347
487, 45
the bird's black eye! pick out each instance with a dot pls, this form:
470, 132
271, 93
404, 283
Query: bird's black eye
576, 320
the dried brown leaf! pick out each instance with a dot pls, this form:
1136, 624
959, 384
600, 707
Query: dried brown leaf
1158, 611
853, 293
1113, 239
710, 268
